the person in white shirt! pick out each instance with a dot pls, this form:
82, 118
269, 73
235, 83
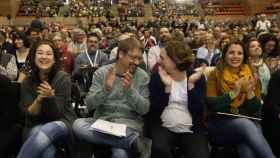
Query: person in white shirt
176, 112
263, 24
208, 51
154, 52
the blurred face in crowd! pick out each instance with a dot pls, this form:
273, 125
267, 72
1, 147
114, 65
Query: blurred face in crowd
44, 58
65, 32
139, 34
34, 35
146, 34
270, 46
79, 38
108, 29
164, 34
58, 41
2, 39
19, 43
165, 61
234, 56
196, 36
255, 49
92, 43
224, 42
210, 41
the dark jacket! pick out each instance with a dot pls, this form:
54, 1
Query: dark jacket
53, 108
159, 100
9, 96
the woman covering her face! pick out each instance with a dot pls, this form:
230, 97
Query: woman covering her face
233, 92
45, 100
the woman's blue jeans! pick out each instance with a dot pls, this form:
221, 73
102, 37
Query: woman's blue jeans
240, 132
41, 139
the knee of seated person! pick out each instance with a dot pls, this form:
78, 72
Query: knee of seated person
54, 127
55, 130
40, 140
35, 130
78, 124
119, 153
247, 127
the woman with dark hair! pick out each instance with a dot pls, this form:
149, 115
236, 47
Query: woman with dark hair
22, 49
259, 67
45, 100
234, 101
269, 44
271, 54
176, 113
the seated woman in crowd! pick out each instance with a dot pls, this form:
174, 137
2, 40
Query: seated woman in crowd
232, 89
259, 67
45, 100
176, 113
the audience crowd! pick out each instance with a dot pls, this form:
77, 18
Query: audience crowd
179, 88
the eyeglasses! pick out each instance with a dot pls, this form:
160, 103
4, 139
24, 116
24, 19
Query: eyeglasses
135, 58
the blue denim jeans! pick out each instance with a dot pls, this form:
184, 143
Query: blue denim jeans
240, 132
121, 145
41, 139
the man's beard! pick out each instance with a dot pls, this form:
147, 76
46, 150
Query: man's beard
91, 50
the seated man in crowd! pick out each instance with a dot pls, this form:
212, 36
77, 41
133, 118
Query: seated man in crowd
87, 62
119, 94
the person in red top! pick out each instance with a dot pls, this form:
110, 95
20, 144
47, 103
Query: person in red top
67, 58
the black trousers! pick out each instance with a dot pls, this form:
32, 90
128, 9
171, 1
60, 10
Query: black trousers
164, 142
11, 141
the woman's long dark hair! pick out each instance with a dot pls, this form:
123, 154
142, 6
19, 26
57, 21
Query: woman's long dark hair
34, 75
221, 64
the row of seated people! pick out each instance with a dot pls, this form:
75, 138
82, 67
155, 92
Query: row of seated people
61, 8
172, 102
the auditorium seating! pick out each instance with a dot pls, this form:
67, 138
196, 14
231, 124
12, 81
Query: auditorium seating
227, 9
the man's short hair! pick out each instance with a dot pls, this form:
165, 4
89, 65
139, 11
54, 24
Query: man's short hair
129, 44
93, 34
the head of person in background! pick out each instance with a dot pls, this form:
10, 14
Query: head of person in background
92, 42
2, 39
79, 35
224, 41
178, 35
20, 41
254, 49
164, 35
146, 33
58, 39
45, 33
34, 35
269, 44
